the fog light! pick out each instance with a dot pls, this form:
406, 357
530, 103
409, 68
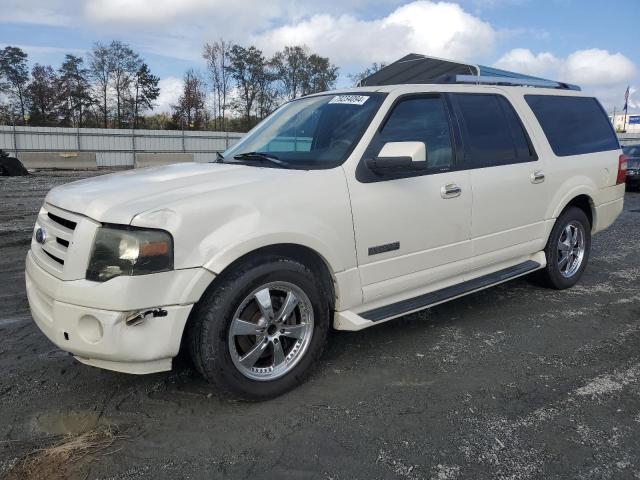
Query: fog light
90, 329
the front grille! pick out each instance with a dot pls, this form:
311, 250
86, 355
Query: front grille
53, 257
60, 226
70, 224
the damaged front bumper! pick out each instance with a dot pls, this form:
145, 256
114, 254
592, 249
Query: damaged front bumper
128, 324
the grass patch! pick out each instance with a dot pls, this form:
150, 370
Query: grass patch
59, 460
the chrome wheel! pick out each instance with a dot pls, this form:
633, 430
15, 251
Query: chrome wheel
271, 331
571, 247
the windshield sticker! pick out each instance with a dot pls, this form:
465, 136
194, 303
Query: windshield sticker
349, 99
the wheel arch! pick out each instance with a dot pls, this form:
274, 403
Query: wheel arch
301, 253
584, 202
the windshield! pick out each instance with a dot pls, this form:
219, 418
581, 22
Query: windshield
310, 133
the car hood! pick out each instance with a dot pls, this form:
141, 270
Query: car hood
119, 197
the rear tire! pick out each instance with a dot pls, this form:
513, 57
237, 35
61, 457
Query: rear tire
567, 249
259, 330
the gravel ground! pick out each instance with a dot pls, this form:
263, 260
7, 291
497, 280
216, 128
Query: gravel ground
513, 382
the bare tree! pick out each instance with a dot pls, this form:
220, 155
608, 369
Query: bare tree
217, 56
125, 63
356, 78
101, 69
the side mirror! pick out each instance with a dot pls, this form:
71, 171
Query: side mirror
399, 157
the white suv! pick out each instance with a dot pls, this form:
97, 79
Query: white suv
343, 209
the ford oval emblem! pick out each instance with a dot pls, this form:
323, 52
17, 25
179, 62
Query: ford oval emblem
41, 235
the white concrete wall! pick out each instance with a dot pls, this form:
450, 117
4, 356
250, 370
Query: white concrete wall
114, 147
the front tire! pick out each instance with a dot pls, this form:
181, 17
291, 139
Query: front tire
567, 249
260, 330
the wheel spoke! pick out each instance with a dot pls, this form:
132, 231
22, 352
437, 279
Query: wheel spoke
242, 327
289, 306
263, 297
563, 261
250, 359
278, 354
564, 246
574, 236
294, 331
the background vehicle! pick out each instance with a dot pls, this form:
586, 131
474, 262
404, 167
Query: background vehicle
633, 165
346, 208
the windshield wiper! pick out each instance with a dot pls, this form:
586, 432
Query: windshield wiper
261, 157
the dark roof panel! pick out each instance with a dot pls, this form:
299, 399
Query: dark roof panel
415, 68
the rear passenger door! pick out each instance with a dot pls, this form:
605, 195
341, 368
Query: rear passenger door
507, 178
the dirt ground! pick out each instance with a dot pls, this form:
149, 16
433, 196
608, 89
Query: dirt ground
514, 382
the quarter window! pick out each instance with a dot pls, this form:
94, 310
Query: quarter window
493, 133
420, 119
573, 125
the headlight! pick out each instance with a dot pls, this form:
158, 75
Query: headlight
129, 251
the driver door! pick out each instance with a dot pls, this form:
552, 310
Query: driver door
412, 229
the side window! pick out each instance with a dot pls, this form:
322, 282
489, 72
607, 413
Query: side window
573, 125
493, 133
419, 119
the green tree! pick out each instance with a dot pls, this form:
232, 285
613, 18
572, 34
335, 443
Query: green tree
246, 67
14, 71
292, 66
145, 92
320, 75
75, 91
189, 111
43, 96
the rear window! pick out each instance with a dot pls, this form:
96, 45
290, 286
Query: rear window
573, 125
493, 132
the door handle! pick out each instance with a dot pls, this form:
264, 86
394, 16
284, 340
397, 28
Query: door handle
537, 176
450, 190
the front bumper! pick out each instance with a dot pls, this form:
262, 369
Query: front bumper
88, 319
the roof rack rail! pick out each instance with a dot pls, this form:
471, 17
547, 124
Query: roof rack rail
506, 81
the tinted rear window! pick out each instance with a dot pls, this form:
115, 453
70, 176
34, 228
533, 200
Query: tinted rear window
573, 125
493, 132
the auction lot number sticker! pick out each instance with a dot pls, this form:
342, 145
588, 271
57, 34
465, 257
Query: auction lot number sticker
349, 99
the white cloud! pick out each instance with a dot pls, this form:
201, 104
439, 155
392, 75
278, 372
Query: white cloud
440, 29
170, 91
601, 73
525, 61
585, 67
598, 67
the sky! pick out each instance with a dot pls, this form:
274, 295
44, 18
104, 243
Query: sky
592, 43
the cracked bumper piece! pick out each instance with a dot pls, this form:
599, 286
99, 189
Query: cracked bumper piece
101, 337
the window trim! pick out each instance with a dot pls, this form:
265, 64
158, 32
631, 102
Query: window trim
364, 175
467, 159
